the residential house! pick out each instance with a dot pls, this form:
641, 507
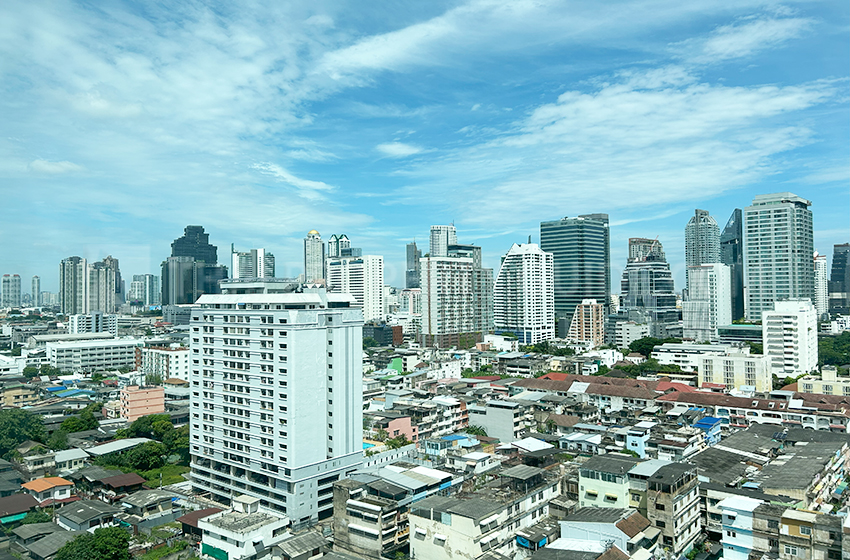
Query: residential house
604, 482
70, 460
86, 515
148, 508
625, 528
365, 524
793, 534
50, 490
673, 506
737, 527
244, 532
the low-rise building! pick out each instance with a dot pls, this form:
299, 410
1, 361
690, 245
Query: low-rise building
365, 524
829, 383
737, 527
139, 401
93, 355
626, 529
673, 506
246, 531
164, 362
687, 356
604, 481
502, 419
736, 369
49, 490
86, 515
792, 534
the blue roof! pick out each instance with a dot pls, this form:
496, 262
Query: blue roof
454, 437
708, 421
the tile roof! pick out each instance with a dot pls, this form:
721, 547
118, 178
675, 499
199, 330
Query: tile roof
121, 480
633, 524
192, 517
16, 503
42, 484
566, 420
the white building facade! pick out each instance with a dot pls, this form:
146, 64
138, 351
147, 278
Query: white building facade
821, 285
709, 303
735, 370
524, 294
441, 238
93, 323
93, 355
314, 257
276, 401
790, 335
362, 278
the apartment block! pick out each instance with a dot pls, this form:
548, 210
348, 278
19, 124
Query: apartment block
365, 524
736, 369
165, 362
137, 401
92, 355
790, 333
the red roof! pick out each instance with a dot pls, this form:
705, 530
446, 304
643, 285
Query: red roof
791, 387
192, 517
555, 376
714, 385
664, 386
52, 502
487, 377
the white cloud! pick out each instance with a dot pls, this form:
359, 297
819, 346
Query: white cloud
53, 167
398, 149
306, 187
744, 38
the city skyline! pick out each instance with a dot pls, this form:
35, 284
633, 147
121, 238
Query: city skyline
382, 124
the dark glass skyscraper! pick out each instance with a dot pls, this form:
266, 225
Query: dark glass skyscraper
411, 275
196, 244
839, 281
192, 269
581, 248
732, 254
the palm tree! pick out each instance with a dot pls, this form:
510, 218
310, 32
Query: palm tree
476, 431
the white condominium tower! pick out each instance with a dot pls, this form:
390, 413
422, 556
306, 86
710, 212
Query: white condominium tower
276, 404
314, 257
790, 337
441, 238
256, 263
73, 286
524, 294
709, 303
702, 242
778, 249
363, 279
821, 300
11, 289
448, 306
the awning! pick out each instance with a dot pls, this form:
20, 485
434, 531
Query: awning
420, 531
592, 492
610, 496
440, 536
364, 529
490, 519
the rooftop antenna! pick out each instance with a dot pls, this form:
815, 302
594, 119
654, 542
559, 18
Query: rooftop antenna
529, 240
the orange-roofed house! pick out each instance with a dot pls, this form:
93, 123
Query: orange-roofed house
49, 490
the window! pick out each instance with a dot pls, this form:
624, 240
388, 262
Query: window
791, 550
732, 534
772, 524
660, 524
805, 530
833, 554
659, 507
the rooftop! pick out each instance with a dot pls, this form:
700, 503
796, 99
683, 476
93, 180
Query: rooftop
42, 484
238, 522
84, 511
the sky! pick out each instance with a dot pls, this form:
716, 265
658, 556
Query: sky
124, 122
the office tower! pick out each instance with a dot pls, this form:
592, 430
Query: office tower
482, 287
363, 279
709, 303
581, 250
281, 418
646, 288
524, 294
732, 255
314, 257
411, 275
112, 263
839, 281
702, 242
790, 337
196, 244
778, 248
207, 278
821, 300
588, 323
73, 286
36, 291
256, 263
441, 238
11, 290
448, 308
339, 246
101, 287
178, 280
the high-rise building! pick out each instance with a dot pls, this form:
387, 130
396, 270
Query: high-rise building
821, 300
588, 323
145, 290
709, 303
647, 294
732, 255
196, 244
36, 291
74, 286
411, 275
447, 302
702, 242
178, 280
482, 287
790, 335
524, 294
256, 263
339, 246
363, 279
11, 290
839, 281
441, 238
314, 257
101, 287
112, 263
282, 422
582, 260
778, 249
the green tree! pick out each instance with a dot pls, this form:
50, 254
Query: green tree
645, 345
476, 431
58, 440
369, 342
381, 434
834, 350
144, 426
81, 422
153, 379
30, 372
146, 457
39, 516
396, 442
16, 427
110, 543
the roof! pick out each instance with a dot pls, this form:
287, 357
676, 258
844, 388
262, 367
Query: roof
16, 503
192, 517
740, 503
597, 515
84, 511
633, 524
521, 472
42, 484
117, 445
120, 480
71, 454
26, 532
610, 463
145, 497
565, 420
50, 545
299, 544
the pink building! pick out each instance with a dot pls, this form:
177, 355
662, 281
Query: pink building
141, 401
394, 424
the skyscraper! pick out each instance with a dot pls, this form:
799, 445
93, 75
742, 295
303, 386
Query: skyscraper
339, 246
588, 323
282, 422
839, 281
702, 242
647, 294
256, 263
778, 249
11, 290
36, 291
145, 289
524, 294
821, 300
448, 308
363, 279
178, 280
582, 252
709, 303
411, 275
101, 278
73, 286
441, 238
482, 287
314, 257
732, 255
196, 244
112, 263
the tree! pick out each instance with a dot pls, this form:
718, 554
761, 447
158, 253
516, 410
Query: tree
81, 422
369, 342
153, 379
476, 431
146, 457
39, 516
396, 442
144, 426
16, 427
30, 372
381, 434
58, 441
109, 543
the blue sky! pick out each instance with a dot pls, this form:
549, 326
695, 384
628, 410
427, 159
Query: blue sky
124, 122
